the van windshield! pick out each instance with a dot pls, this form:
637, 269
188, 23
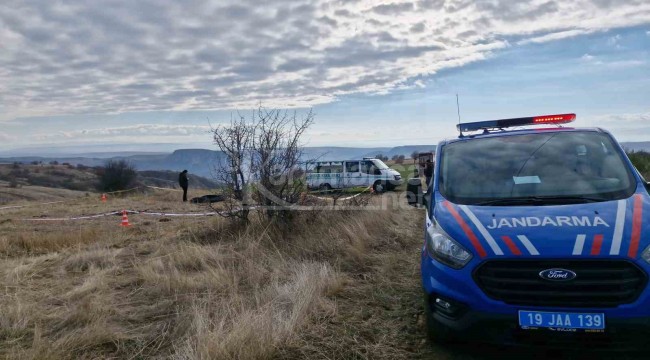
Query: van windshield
380, 164
535, 169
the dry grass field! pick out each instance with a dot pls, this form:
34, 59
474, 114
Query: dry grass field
184, 287
336, 285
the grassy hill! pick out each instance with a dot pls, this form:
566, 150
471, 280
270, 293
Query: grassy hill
53, 176
20, 195
83, 178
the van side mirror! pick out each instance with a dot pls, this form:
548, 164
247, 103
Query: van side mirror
377, 172
647, 186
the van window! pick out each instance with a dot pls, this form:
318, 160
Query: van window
352, 166
368, 167
327, 168
550, 168
380, 164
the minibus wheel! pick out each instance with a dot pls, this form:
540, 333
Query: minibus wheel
379, 187
325, 188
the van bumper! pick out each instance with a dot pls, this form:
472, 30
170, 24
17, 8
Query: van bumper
621, 334
392, 184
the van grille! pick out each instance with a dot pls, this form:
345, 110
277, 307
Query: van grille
599, 283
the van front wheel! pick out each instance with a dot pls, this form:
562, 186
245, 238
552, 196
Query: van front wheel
379, 187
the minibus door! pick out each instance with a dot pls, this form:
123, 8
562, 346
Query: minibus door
352, 174
370, 173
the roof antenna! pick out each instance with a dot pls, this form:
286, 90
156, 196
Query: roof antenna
458, 109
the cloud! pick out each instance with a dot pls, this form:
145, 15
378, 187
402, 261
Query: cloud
625, 63
624, 119
393, 9
5, 137
418, 28
616, 63
614, 40
629, 126
554, 36
132, 56
587, 57
133, 132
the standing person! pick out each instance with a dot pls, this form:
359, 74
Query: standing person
428, 172
183, 182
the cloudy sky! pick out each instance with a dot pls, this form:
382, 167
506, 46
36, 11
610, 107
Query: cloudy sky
376, 73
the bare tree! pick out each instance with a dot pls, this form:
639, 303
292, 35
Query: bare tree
277, 158
263, 159
233, 172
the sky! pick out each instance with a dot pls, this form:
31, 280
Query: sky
375, 73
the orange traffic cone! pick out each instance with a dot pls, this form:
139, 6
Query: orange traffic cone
125, 219
103, 197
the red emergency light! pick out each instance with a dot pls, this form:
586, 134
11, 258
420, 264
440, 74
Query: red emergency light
554, 119
506, 123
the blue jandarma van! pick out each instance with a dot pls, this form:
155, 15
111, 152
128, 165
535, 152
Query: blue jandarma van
536, 234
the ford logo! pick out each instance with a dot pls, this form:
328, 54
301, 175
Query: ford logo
557, 274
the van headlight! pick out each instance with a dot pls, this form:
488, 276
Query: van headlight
444, 249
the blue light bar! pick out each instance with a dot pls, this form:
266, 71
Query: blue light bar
506, 123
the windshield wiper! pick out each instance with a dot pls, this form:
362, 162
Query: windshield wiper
541, 200
576, 198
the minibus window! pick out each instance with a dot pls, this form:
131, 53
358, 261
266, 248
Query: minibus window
352, 166
369, 167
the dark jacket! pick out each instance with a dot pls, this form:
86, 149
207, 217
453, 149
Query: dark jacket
428, 170
182, 179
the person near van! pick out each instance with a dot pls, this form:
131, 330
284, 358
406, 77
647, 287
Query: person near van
428, 172
183, 181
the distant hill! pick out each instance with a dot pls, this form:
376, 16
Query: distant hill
340, 153
405, 150
636, 146
202, 162
199, 162
85, 178
166, 178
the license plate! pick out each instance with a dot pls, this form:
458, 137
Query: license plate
557, 320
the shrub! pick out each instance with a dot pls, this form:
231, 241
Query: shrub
641, 160
117, 175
